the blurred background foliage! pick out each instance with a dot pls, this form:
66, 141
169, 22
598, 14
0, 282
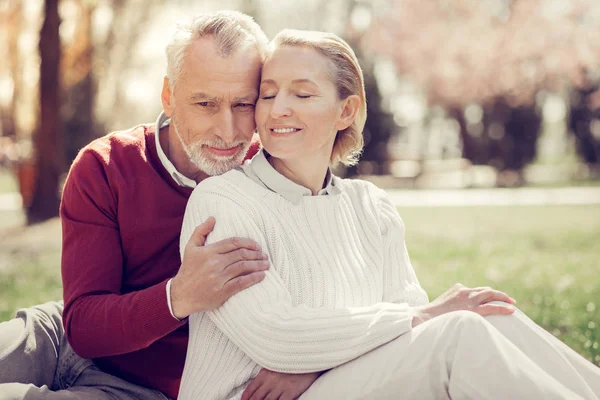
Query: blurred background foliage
461, 94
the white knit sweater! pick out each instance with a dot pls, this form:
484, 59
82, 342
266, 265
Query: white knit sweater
340, 283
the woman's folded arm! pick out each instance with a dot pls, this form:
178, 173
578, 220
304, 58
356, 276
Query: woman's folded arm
262, 320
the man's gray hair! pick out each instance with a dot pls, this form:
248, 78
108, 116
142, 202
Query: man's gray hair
230, 30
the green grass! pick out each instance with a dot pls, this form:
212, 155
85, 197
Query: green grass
547, 258
34, 279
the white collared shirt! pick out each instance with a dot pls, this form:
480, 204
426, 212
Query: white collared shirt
177, 176
262, 172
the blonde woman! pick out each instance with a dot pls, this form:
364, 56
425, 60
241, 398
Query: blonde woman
341, 295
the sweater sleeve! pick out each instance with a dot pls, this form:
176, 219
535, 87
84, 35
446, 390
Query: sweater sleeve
400, 281
99, 319
264, 323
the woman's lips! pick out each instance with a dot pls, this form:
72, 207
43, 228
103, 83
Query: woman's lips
284, 131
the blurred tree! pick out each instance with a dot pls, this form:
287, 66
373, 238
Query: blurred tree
380, 125
115, 57
74, 81
10, 65
48, 138
378, 129
497, 54
79, 84
584, 122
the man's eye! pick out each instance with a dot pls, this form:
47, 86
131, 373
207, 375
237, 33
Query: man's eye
245, 105
203, 104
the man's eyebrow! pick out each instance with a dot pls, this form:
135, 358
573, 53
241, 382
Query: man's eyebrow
200, 96
251, 98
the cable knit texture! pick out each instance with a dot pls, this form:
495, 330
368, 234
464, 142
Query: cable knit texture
340, 283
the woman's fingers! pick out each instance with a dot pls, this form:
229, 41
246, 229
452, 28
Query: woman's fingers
251, 389
486, 295
494, 309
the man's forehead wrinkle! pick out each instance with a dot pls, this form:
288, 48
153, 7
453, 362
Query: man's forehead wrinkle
202, 96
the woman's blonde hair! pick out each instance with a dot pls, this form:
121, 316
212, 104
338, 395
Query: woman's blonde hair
347, 77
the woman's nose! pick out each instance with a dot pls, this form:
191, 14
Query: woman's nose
280, 108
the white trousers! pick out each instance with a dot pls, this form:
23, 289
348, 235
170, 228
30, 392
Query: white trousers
461, 355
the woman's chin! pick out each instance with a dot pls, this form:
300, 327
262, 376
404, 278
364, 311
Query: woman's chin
281, 152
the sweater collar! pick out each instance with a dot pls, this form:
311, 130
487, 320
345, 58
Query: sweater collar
261, 171
177, 176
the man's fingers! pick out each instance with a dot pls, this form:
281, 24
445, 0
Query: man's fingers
245, 267
199, 235
488, 295
494, 309
228, 245
243, 255
240, 283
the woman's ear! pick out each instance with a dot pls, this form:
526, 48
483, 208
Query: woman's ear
350, 107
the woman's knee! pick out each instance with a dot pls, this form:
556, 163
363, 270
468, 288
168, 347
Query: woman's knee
465, 325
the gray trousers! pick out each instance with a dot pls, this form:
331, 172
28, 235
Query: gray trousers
36, 362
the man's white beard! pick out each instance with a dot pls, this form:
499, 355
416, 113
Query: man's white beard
206, 161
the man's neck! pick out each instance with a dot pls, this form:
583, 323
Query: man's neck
177, 155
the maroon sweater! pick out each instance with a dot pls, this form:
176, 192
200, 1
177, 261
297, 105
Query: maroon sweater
121, 216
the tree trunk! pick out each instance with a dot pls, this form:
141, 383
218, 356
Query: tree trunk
48, 143
14, 22
79, 86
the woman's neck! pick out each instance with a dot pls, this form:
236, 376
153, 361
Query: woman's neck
308, 173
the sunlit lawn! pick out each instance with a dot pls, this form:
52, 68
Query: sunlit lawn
548, 258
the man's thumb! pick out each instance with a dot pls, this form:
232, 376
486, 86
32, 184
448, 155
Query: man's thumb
199, 235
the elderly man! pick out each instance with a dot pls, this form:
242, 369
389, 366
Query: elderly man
126, 292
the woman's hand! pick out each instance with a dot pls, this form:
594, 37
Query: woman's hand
269, 385
459, 297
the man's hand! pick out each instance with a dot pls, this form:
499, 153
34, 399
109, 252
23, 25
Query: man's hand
209, 275
269, 385
459, 297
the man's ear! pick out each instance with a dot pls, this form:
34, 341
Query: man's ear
166, 98
350, 107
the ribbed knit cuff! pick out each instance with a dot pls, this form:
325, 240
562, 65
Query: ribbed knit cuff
155, 315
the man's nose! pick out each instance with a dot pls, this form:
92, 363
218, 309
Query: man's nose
225, 126
280, 108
